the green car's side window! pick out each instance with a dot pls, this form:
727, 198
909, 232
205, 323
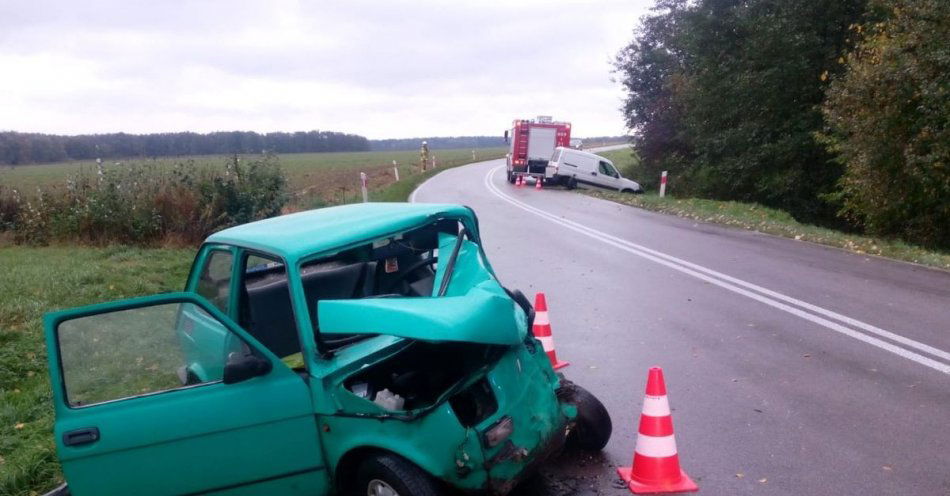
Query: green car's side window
140, 351
215, 280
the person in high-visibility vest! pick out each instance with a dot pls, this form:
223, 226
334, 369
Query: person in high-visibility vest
424, 155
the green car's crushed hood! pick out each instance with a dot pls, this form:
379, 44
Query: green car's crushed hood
476, 309
480, 316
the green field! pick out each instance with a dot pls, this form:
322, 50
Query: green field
303, 170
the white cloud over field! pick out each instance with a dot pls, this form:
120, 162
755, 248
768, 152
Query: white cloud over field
384, 69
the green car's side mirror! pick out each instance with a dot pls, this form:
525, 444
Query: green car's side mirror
243, 367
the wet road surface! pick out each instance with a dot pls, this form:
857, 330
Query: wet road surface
792, 368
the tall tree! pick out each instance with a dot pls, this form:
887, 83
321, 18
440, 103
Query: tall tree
652, 70
735, 87
889, 118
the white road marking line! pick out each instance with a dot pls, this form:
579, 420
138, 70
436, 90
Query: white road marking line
733, 284
412, 196
788, 299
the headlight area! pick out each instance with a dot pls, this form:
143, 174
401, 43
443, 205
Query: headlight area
475, 404
498, 432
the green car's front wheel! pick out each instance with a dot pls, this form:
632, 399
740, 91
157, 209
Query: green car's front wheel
389, 475
592, 427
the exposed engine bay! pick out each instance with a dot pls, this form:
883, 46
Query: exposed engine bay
423, 374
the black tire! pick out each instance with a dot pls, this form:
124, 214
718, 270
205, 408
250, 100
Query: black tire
572, 183
592, 427
511, 177
396, 473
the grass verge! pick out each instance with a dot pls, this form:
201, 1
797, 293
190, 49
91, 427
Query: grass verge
35, 281
769, 220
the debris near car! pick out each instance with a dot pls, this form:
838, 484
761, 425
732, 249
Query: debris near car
364, 348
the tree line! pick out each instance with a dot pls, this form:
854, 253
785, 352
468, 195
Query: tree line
438, 143
836, 111
29, 148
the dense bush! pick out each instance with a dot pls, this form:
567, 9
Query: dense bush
148, 204
890, 122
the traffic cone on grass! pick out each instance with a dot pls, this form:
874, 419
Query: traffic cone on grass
656, 465
542, 330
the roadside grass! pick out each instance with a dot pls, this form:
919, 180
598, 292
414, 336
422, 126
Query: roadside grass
769, 220
38, 280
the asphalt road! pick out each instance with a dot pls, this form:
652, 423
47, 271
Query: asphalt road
792, 368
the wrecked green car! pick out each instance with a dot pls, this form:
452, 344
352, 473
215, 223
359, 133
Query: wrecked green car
362, 349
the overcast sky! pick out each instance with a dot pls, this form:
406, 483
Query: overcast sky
385, 69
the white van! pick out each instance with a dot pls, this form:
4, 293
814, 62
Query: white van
572, 168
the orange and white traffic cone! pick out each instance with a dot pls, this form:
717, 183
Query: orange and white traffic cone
656, 465
537, 183
520, 181
542, 330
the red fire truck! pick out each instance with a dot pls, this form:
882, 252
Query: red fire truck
532, 142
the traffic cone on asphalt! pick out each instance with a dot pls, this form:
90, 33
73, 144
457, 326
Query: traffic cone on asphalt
537, 183
656, 466
520, 181
542, 330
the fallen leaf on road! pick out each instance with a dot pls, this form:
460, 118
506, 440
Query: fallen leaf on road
764, 480
740, 475
807, 355
887, 468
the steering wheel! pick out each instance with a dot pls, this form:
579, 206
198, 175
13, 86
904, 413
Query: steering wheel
404, 274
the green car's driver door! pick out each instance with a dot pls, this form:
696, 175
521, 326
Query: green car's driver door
134, 417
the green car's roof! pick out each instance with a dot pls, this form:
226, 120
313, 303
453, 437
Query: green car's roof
301, 234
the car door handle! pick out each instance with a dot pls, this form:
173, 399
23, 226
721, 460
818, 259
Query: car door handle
82, 436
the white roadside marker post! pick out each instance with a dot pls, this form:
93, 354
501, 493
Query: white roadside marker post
663, 184
473, 154
363, 187
396, 170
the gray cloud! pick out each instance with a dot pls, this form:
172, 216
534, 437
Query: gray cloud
383, 69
